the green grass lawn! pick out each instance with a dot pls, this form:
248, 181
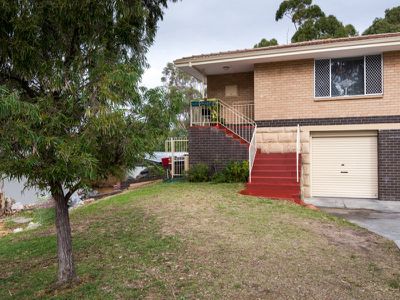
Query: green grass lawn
184, 241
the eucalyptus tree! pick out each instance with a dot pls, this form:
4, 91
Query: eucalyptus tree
298, 11
71, 109
190, 88
323, 28
311, 23
266, 43
390, 23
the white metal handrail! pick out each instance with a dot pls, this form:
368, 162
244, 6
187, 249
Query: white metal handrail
246, 108
216, 112
298, 149
252, 151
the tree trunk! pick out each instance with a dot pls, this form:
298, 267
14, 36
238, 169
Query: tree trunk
2, 204
66, 268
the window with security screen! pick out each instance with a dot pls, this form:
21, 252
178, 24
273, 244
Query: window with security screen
373, 78
352, 76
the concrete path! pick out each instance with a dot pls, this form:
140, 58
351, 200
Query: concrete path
381, 217
353, 203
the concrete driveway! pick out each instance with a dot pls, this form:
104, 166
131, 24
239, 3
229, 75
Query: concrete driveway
381, 217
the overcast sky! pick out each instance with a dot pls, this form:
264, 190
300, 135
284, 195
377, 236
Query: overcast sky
202, 26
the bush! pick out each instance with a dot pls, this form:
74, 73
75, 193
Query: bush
237, 171
199, 173
156, 171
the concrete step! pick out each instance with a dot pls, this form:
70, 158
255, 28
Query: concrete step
274, 195
274, 173
273, 179
284, 188
271, 167
276, 160
275, 155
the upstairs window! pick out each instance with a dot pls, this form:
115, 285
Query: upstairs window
355, 76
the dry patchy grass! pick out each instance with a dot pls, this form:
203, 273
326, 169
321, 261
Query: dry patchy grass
184, 241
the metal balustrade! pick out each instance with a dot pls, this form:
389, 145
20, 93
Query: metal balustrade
214, 112
298, 151
245, 108
252, 152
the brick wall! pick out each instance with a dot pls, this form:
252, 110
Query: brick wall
329, 121
285, 90
213, 147
389, 165
244, 81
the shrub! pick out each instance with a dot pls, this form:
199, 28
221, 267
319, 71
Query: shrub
199, 173
237, 171
156, 171
218, 178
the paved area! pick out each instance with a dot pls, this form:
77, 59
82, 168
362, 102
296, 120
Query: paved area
386, 224
381, 217
352, 203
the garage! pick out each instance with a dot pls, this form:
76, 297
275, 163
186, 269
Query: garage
344, 164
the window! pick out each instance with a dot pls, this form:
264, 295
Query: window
348, 76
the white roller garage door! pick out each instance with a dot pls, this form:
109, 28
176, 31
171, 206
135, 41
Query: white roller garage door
344, 166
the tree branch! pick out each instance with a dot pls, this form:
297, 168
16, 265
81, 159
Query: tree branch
72, 48
23, 84
72, 190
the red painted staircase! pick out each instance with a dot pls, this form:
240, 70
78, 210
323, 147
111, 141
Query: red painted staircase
274, 176
231, 134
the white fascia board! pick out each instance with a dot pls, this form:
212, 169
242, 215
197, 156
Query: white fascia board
192, 65
290, 54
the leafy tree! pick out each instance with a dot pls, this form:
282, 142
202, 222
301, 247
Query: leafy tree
71, 110
266, 43
298, 11
390, 23
311, 22
323, 28
177, 82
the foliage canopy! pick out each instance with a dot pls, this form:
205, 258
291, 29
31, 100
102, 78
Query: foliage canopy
323, 28
71, 109
266, 43
179, 83
298, 11
390, 23
311, 22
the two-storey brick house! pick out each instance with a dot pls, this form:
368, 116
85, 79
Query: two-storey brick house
335, 102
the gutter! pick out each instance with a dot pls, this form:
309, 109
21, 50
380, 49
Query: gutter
287, 52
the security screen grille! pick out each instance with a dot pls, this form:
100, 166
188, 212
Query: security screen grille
322, 78
373, 76
348, 76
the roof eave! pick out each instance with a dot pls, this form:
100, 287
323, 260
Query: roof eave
290, 51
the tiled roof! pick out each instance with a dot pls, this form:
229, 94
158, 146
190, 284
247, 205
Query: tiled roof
293, 45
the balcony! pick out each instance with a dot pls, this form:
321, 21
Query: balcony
203, 110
